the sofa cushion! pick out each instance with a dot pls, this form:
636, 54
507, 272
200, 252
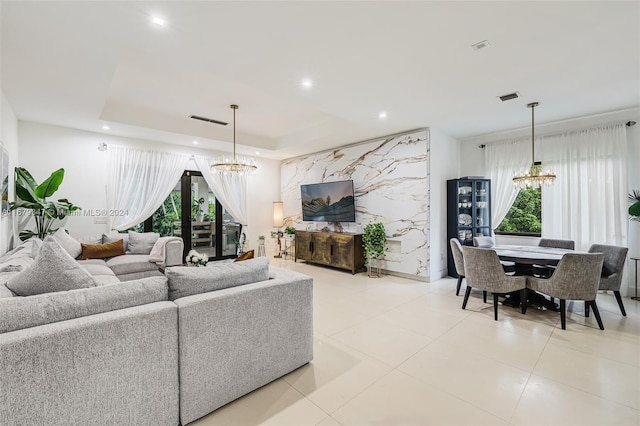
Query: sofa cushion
22, 312
70, 244
102, 251
52, 270
131, 263
187, 281
142, 243
95, 270
115, 236
5, 292
90, 239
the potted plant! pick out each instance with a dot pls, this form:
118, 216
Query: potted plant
197, 209
289, 232
33, 196
375, 245
634, 207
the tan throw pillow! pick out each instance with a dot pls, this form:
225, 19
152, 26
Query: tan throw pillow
101, 251
52, 270
244, 256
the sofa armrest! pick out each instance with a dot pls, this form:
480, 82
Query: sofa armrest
235, 340
118, 367
174, 250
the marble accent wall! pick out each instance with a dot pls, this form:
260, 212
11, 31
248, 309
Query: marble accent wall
391, 184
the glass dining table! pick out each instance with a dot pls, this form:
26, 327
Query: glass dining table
524, 258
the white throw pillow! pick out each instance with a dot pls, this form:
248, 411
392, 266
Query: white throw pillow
52, 270
142, 243
70, 244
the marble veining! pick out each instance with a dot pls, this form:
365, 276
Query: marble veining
391, 185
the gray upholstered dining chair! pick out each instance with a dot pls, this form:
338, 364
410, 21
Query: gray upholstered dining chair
487, 242
576, 278
458, 261
611, 277
563, 244
483, 271
483, 242
547, 270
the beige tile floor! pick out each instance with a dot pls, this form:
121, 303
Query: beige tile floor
392, 351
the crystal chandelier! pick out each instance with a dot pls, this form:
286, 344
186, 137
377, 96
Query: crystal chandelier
236, 166
534, 177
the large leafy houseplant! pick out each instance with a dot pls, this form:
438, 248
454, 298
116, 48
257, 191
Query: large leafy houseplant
33, 196
634, 208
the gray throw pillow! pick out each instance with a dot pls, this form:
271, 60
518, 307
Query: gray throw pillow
114, 236
70, 244
142, 243
187, 281
52, 270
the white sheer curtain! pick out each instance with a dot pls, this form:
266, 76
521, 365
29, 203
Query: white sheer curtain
230, 190
588, 201
138, 182
502, 160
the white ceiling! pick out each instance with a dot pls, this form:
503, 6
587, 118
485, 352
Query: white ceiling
84, 64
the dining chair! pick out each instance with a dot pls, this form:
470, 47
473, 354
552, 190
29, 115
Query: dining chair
487, 242
611, 276
576, 278
483, 271
547, 270
458, 261
563, 244
483, 242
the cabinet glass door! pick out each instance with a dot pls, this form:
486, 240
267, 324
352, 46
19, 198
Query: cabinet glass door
465, 212
482, 208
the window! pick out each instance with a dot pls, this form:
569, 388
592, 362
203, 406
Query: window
525, 215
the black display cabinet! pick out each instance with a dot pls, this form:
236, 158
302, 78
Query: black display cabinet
468, 213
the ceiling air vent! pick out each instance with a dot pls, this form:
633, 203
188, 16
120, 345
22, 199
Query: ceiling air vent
480, 45
510, 96
209, 120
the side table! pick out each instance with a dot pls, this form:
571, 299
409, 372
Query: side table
636, 259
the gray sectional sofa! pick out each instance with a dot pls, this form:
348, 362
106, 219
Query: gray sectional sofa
152, 351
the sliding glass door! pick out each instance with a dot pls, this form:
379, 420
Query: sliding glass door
192, 212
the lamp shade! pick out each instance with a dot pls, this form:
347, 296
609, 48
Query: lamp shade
278, 214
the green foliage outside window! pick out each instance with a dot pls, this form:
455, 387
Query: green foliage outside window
525, 215
167, 214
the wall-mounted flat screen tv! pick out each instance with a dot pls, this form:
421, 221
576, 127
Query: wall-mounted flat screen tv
328, 202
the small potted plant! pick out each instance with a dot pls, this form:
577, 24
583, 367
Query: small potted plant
375, 245
289, 232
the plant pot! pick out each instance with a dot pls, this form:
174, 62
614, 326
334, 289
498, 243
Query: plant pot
199, 217
374, 268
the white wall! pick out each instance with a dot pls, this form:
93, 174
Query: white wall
9, 139
443, 166
472, 164
44, 148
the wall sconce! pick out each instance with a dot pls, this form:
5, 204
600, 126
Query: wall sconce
278, 222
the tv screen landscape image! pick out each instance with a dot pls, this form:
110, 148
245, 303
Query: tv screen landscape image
328, 202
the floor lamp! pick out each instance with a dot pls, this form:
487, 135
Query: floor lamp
278, 222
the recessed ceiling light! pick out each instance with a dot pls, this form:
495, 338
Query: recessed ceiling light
157, 20
105, 127
307, 83
195, 142
257, 152
382, 115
